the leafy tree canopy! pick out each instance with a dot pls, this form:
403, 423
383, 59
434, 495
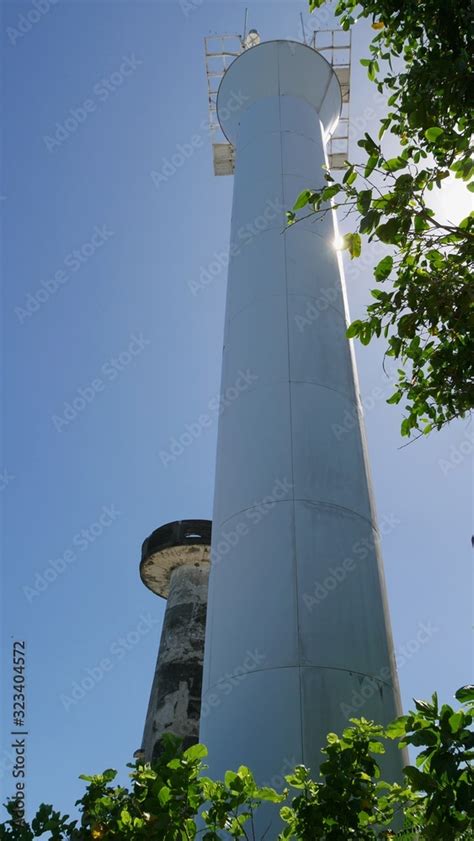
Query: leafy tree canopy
348, 802
421, 58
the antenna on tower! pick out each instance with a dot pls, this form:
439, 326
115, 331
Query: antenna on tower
302, 28
245, 25
222, 50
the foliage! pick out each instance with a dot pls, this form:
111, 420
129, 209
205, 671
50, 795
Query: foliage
436, 799
421, 57
349, 801
444, 770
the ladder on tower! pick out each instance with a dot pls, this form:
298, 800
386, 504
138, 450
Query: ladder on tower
221, 50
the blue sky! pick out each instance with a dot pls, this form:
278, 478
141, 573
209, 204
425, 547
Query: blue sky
101, 310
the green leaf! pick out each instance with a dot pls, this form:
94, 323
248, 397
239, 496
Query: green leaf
384, 124
369, 222
456, 722
368, 144
372, 70
330, 192
404, 181
395, 398
405, 427
230, 777
383, 268
421, 223
302, 200
466, 222
388, 232
269, 794
397, 728
371, 164
363, 201
376, 747
425, 736
407, 327
419, 780
190, 828
433, 133
125, 817
349, 176
465, 694
435, 257
363, 818
299, 777
195, 752
394, 163
425, 707
365, 334
382, 203
353, 329
353, 243
164, 795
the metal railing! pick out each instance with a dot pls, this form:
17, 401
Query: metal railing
221, 50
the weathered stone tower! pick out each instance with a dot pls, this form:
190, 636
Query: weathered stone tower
175, 566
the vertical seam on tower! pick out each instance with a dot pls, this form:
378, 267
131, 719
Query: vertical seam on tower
293, 527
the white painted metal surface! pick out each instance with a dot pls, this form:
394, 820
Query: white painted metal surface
221, 50
298, 637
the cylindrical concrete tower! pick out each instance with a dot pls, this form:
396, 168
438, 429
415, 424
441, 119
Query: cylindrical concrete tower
296, 587
175, 565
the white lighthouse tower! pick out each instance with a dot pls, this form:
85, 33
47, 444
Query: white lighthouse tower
297, 621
